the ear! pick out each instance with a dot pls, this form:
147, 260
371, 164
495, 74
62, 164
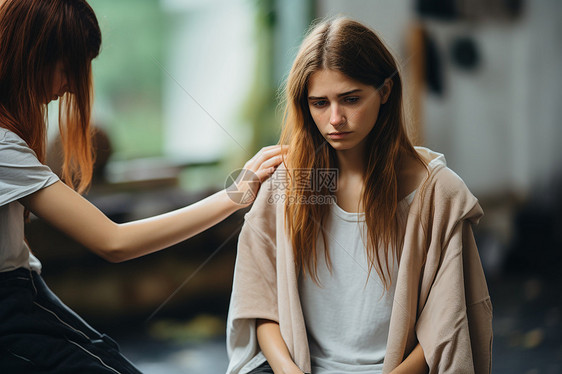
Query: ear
385, 90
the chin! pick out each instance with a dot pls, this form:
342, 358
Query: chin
341, 146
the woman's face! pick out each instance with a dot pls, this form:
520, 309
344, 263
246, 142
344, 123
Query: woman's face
343, 109
59, 84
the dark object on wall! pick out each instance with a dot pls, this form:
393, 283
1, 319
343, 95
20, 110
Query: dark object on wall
440, 9
514, 7
489, 9
433, 65
475, 10
464, 53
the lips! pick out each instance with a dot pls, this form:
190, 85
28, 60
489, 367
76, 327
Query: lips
338, 134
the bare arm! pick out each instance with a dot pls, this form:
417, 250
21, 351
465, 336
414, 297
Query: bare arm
74, 215
413, 364
273, 347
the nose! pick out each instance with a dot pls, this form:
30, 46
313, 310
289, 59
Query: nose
336, 116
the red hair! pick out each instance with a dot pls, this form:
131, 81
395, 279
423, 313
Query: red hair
34, 36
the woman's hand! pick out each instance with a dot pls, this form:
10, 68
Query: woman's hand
244, 189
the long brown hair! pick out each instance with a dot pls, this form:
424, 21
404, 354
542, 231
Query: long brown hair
351, 48
34, 36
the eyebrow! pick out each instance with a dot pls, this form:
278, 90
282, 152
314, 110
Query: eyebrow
339, 95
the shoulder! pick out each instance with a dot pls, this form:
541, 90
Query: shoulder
9, 136
10, 141
20, 170
446, 193
16, 153
271, 195
440, 178
448, 184
6, 136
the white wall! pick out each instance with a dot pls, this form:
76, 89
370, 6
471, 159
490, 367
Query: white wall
389, 18
208, 72
499, 127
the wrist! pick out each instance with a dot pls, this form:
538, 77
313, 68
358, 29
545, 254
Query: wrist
228, 201
291, 368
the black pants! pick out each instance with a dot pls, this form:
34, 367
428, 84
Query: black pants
39, 334
262, 369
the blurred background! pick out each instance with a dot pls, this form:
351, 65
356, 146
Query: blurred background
188, 90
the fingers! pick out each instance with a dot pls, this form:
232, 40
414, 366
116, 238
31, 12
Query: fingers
262, 151
260, 167
267, 168
265, 155
263, 174
272, 162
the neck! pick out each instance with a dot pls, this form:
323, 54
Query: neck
351, 161
351, 166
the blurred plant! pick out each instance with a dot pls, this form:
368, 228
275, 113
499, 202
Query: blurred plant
261, 103
128, 83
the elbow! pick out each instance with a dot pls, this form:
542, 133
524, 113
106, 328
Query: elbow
111, 254
111, 250
114, 256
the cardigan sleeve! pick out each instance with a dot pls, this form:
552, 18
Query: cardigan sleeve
255, 284
454, 317
479, 306
254, 291
454, 327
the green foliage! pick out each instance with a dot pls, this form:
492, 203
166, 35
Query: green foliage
128, 81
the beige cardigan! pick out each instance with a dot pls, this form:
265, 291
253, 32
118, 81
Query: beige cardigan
443, 304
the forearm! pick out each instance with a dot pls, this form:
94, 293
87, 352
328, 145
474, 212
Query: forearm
274, 348
413, 364
78, 218
148, 235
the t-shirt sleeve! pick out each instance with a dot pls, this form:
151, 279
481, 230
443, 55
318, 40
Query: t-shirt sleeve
21, 173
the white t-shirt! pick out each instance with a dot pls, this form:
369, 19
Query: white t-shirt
347, 317
21, 174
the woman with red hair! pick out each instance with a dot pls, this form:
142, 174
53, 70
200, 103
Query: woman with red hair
46, 50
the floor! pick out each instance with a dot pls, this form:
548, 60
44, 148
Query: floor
527, 326
160, 357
